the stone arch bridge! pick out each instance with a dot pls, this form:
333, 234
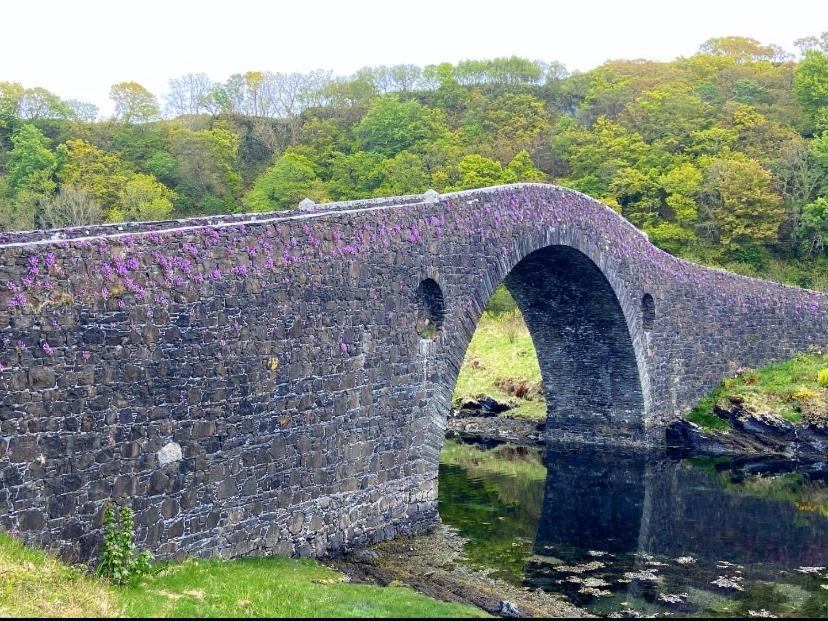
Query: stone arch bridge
261, 384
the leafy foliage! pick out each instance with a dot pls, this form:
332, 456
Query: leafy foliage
118, 560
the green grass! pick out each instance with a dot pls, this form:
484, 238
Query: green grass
35, 584
784, 388
492, 358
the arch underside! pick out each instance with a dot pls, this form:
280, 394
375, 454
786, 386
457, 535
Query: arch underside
587, 360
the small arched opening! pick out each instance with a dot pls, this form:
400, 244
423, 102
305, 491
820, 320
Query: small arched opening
431, 309
648, 312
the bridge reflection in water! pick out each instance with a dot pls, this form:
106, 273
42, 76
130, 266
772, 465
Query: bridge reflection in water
629, 517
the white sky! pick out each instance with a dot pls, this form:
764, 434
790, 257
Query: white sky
79, 48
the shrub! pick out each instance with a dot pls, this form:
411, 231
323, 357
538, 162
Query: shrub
511, 324
822, 378
118, 560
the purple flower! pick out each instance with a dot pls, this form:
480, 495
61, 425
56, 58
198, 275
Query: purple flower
216, 274
343, 347
240, 270
17, 300
50, 260
85, 355
47, 349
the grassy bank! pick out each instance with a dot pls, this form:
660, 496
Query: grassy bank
791, 389
501, 363
36, 584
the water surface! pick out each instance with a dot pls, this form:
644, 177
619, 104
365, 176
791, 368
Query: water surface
654, 534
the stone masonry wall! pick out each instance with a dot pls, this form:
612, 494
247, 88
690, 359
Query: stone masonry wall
259, 384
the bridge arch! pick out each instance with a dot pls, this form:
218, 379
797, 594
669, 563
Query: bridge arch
588, 331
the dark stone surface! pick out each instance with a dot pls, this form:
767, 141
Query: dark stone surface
281, 352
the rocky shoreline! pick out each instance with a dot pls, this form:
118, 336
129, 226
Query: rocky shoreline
752, 433
432, 564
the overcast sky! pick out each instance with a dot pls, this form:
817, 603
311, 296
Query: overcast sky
78, 49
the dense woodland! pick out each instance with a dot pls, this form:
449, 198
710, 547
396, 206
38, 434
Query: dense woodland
722, 157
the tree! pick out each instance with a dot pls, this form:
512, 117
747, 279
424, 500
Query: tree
191, 93
133, 103
18, 211
11, 93
205, 169
798, 178
477, 171
99, 173
516, 119
524, 170
669, 116
142, 198
81, 111
743, 49
681, 184
738, 194
284, 185
391, 126
403, 174
71, 207
31, 163
357, 175
38, 103
811, 82
819, 43
813, 230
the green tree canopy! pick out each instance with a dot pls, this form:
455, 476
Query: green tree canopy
811, 82
285, 185
31, 163
738, 195
133, 103
391, 126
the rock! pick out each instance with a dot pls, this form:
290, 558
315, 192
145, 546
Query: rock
625, 614
483, 406
580, 569
753, 432
508, 609
685, 560
762, 613
645, 575
673, 600
369, 557
594, 583
728, 584
169, 453
306, 203
585, 590
431, 196
810, 570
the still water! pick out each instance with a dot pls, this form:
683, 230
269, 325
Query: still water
656, 535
